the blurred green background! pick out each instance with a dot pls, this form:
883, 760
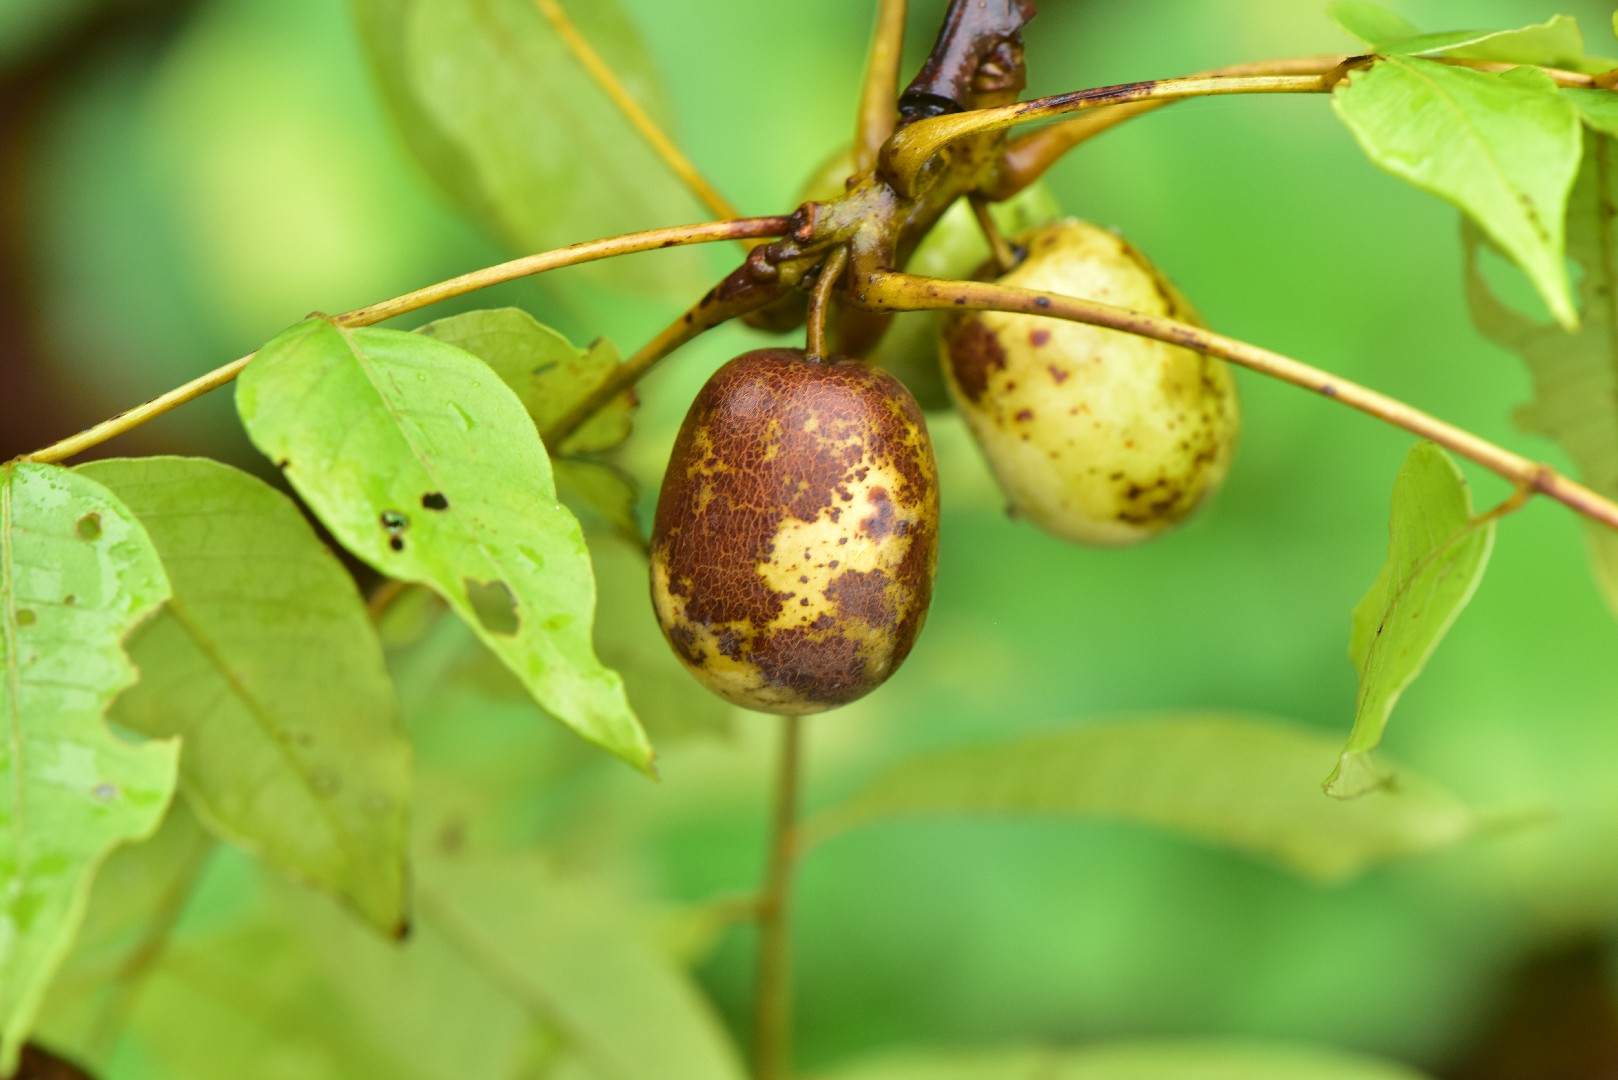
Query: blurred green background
183, 178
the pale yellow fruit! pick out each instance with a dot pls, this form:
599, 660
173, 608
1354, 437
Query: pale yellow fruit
1096, 436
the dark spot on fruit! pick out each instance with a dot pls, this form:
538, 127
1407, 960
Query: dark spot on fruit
862, 594
814, 666
1042, 301
730, 643
1023, 416
434, 500
88, 527
974, 355
1036, 338
880, 523
1059, 375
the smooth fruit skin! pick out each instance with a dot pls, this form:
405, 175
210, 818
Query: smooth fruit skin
796, 532
1096, 436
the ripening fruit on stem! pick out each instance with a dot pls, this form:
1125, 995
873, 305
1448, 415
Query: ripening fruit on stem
1096, 436
796, 532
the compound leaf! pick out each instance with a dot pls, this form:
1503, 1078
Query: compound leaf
1437, 552
266, 664
77, 573
1504, 148
621, 1006
502, 116
1180, 1060
1575, 375
424, 464
1244, 783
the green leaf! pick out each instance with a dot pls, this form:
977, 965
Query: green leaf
501, 115
1181, 1060
1369, 22
425, 465
1599, 110
618, 1002
1575, 376
1240, 782
1556, 42
77, 573
546, 371
1437, 552
265, 662
603, 495
1504, 148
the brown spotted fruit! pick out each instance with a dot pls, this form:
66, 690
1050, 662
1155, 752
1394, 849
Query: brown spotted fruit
796, 532
1094, 435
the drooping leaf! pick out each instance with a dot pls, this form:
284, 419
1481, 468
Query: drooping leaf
424, 464
1369, 22
1183, 1060
618, 1002
77, 573
1504, 148
1248, 784
1437, 552
1575, 375
501, 115
265, 663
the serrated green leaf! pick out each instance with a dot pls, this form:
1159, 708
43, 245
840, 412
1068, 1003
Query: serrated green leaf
546, 371
1504, 148
1437, 552
1240, 782
618, 1003
77, 573
1575, 376
1369, 22
424, 464
1181, 1060
266, 664
503, 117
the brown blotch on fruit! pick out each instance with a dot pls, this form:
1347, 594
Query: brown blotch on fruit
772, 450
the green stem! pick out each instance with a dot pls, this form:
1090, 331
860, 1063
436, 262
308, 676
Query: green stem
773, 1000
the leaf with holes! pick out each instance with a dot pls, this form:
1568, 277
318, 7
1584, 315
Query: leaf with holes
265, 662
1245, 783
1437, 552
504, 118
77, 573
1575, 376
1504, 148
424, 464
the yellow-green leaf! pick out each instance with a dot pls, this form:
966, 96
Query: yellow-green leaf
77, 574
1182, 1060
1437, 552
424, 464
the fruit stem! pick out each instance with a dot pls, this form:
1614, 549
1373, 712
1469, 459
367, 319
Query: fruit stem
831, 271
638, 117
589, 251
773, 1001
879, 98
908, 152
884, 292
1005, 255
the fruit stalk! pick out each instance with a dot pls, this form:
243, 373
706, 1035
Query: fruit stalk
773, 1002
884, 292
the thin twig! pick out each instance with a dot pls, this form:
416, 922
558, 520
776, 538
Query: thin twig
879, 97
589, 251
831, 271
638, 117
1005, 256
910, 292
905, 156
773, 1001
